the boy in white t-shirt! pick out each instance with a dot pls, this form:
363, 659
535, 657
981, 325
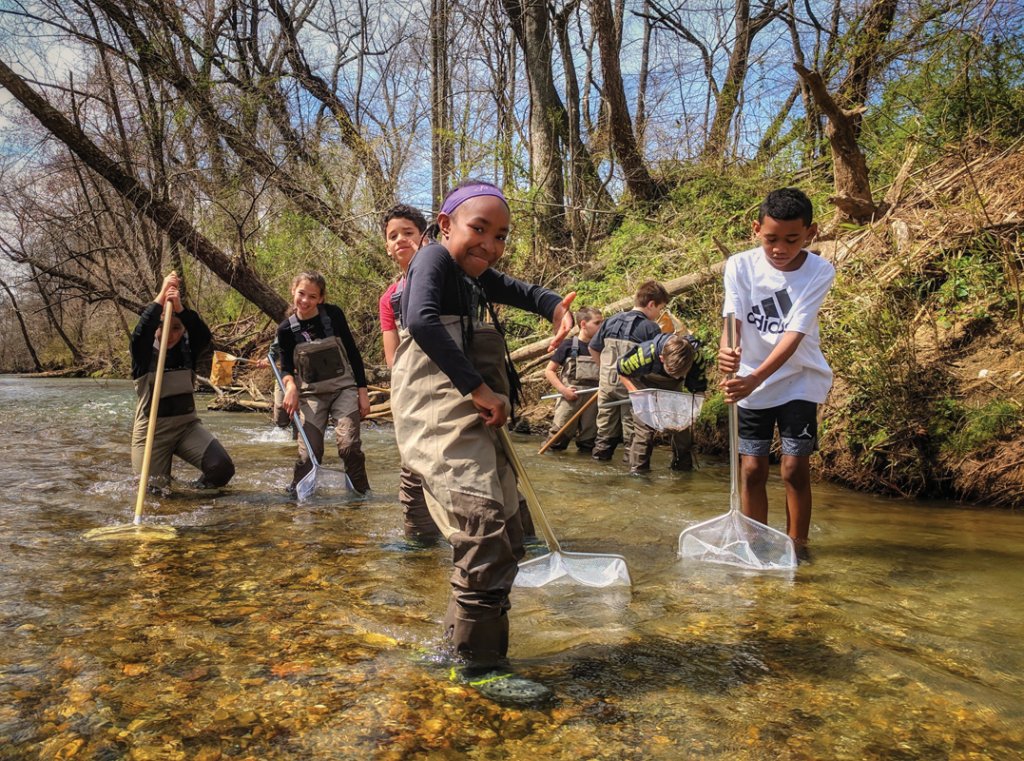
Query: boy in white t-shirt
775, 291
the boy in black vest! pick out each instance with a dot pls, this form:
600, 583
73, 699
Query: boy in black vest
617, 336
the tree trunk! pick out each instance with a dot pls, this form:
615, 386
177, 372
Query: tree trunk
234, 272
641, 88
24, 327
442, 149
638, 179
727, 100
76, 354
530, 22
852, 184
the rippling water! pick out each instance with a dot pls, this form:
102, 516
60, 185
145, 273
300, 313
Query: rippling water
271, 631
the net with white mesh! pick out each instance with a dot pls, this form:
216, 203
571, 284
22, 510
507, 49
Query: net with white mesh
666, 410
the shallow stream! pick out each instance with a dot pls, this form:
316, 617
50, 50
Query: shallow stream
271, 631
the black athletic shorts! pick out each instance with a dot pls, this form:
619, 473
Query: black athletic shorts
798, 429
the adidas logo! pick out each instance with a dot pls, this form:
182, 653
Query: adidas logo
769, 316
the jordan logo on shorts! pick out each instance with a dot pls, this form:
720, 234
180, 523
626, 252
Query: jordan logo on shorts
806, 433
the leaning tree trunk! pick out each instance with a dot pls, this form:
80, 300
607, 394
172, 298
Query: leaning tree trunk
233, 271
852, 183
24, 327
76, 354
845, 110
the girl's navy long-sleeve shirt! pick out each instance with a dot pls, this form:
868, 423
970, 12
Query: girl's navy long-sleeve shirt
314, 329
144, 336
432, 288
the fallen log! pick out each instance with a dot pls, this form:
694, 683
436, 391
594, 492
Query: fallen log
539, 349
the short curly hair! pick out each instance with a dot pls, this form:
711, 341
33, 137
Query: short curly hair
404, 211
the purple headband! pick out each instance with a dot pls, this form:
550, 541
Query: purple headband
459, 196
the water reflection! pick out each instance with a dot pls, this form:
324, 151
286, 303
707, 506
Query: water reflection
270, 631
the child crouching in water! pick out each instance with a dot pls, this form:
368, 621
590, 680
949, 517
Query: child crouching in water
451, 385
178, 428
323, 378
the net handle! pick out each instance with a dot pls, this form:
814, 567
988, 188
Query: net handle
734, 424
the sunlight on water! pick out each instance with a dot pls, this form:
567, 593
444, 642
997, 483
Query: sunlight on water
266, 630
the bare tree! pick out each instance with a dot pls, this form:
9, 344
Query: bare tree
845, 109
24, 328
639, 181
234, 272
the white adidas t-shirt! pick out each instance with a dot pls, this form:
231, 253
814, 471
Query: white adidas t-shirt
769, 302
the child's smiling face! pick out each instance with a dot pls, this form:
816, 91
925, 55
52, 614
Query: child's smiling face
402, 240
476, 232
306, 296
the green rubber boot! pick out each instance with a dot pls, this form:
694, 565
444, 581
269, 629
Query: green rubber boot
503, 686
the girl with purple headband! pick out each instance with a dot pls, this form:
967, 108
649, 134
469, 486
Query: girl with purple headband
451, 391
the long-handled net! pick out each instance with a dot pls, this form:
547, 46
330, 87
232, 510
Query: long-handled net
666, 410
733, 538
136, 529
306, 487
587, 568
222, 368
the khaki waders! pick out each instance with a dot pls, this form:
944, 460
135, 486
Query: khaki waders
327, 389
178, 432
644, 437
614, 424
579, 370
469, 485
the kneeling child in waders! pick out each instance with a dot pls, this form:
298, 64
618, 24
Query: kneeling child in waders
451, 387
571, 370
323, 378
178, 428
668, 361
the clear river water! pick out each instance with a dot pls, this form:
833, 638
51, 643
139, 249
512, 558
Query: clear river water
268, 630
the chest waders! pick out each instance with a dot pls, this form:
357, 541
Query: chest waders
614, 424
468, 483
418, 525
327, 389
178, 430
579, 370
642, 446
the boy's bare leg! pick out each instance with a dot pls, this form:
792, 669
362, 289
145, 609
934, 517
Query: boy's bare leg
796, 475
754, 487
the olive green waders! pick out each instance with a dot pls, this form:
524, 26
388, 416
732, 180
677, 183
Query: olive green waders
468, 483
642, 446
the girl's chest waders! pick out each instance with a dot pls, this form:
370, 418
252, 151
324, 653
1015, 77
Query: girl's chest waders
321, 364
440, 433
177, 405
